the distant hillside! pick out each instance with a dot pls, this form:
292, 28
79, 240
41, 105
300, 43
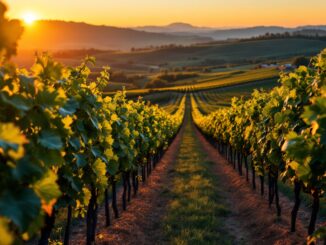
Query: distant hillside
220, 53
223, 34
54, 35
311, 32
59, 35
314, 27
247, 32
177, 27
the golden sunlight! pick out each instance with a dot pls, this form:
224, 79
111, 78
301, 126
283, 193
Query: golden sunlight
29, 18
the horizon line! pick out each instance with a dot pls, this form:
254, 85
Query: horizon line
179, 22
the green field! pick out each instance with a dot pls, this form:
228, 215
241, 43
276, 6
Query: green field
214, 63
213, 99
212, 81
233, 52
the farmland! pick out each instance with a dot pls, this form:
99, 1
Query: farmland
175, 136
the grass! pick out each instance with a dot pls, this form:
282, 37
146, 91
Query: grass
196, 211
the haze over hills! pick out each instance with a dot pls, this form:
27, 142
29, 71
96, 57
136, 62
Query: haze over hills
60, 35
225, 33
311, 32
177, 27
54, 35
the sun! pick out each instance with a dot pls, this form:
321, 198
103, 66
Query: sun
29, 18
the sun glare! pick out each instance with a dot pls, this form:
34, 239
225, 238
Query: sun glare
29, 18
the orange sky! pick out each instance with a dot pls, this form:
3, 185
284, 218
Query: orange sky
215, 13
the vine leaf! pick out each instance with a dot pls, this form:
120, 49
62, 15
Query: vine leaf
50, 140
20, 206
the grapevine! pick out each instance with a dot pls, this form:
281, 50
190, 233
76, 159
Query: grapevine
282, 132
63, 144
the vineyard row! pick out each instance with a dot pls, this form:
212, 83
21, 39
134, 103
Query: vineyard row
282, 133
64, 145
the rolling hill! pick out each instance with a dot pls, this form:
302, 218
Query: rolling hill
62, 35
225, 33
231, 52
55, 35
177, 27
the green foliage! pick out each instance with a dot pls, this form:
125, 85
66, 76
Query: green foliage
157, 83
283, 131
301, 61
172, 77
61, 140
14, 206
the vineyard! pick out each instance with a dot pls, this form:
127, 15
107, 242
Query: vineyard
212, 81
226, 156
281, 133
64, 146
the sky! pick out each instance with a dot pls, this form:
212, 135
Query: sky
213, 13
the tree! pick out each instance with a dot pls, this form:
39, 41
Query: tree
301, 61
157, 83
10, 32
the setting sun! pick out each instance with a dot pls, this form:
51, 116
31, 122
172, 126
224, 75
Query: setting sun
29, 18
